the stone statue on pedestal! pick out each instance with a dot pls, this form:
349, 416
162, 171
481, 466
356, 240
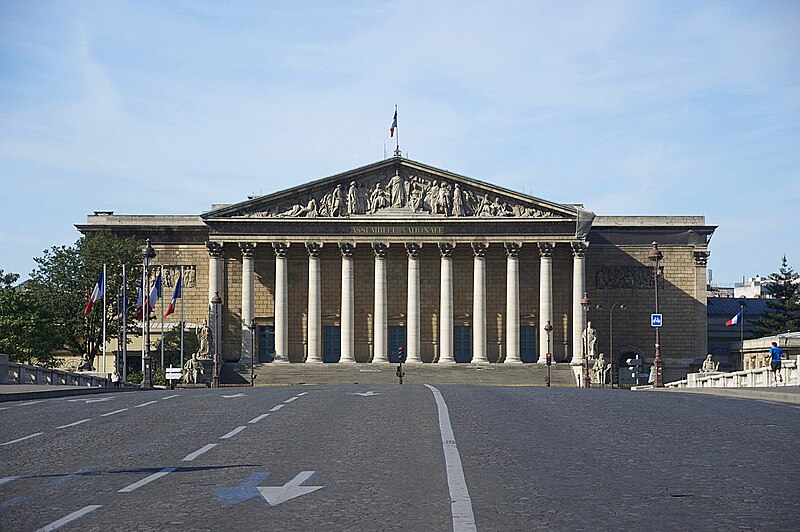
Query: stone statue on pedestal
193, 371
84, 364
589, 341
203, 334
709, 365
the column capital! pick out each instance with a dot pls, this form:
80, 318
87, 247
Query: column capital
546, 249
701, 258
347, 249
281, 248
381, 249
479, 248
446, 249
214, 249
512, 249
248, 249
413, 249
313, 248
579, 249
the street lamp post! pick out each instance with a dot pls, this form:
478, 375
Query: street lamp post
148, 254
585, 302
620, 306
216, 301
548, 328
252, 328
655, 256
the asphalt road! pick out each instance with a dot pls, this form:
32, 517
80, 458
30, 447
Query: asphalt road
380, 457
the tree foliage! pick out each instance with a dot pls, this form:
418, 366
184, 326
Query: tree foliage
24, 322
64, 280
784, 303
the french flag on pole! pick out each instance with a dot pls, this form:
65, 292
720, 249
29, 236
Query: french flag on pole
155, 293
97, 294
734, 320
394, 124
176, 294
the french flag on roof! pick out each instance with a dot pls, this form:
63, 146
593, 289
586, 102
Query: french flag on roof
734, 320
97, 294
394, 124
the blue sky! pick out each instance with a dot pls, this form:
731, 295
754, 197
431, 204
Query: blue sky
629, 107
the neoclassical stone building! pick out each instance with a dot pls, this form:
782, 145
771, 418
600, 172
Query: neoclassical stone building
351, 267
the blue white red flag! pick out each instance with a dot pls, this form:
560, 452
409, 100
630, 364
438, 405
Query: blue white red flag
155, 293
176, 294
97, 294
394, 124
139, 299
734, 320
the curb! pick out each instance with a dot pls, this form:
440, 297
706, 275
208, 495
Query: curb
45, 394
742, 393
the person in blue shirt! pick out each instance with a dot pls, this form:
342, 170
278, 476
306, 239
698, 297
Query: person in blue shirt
776, 354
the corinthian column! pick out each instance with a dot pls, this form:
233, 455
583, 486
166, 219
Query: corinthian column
314, 341
578, 288
346, 310
214, 257
281, 302
412, 325
446, 305
545, 295
379, 324
479, 304
512, 303
248, 301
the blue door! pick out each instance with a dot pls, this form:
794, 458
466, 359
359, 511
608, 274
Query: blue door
331, 343
397, 339
462, 343
527, 343
266, 343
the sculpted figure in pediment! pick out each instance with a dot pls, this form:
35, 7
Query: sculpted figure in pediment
338, 202
484, 207
356, 200
309, 210
458, 201
378, 199
431, 195
416, 194
397, 189
443, 199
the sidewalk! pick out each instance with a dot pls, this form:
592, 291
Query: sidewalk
25, 392
779, 394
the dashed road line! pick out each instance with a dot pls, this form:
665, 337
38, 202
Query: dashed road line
69, 518
147, 480
145, 404
276, 408
5, 408
23, 438
73, 424
114, 412
198, 452
233, 433
6, 480
301, 394
31, 403
258, 418
290, 400
170, 396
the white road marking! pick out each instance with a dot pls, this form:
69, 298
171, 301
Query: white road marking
276, 408
290, 400
234, 395
460, 502
5, 408
114, 412
147, 480
73, 424
258, 418
87, 401
365, 394
30, 403
233, 433
22, 439
198, 452
170, 397
278, 494
69, 518
6, 480
301, 394
145, 404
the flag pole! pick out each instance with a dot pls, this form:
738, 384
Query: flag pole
124, 326
397, 136
161, 274
145, 305
104, 318
741, 331
181, 316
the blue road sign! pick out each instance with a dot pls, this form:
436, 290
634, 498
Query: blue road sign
655, 320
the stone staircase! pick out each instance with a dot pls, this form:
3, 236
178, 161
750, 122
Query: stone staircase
485, 374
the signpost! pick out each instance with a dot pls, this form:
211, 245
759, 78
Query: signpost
173, 374
656, 320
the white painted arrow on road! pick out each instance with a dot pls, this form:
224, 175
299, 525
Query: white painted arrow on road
276, 495
234, 395
365, 394
87, 401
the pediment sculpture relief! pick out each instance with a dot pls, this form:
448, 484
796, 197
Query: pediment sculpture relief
415, 194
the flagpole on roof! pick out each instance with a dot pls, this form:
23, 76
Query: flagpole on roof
161, 274
104, 318
181, 280
124, 326
741, 331
397, 137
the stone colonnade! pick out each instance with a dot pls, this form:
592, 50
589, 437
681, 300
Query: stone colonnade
380, 326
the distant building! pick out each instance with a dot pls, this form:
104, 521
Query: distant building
724, 341
752, 288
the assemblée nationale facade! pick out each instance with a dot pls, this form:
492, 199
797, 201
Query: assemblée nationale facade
400, 254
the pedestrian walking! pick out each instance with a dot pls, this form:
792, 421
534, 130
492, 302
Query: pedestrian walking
776, 355
115, 378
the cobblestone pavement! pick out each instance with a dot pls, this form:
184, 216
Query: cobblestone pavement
532, 458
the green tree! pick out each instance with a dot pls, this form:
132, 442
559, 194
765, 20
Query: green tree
24, 323
784, 308
172, 347
65, 278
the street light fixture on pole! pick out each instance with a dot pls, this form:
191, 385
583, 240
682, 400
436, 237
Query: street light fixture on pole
216, 301
585, 302
252, 328
656, 256
621, 306
548, 328
148, 254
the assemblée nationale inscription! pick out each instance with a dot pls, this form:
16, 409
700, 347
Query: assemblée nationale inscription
396, 230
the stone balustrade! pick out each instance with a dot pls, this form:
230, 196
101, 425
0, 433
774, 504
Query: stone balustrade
748, 378
15, 373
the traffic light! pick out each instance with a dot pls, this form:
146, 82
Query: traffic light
549, 358
401, 354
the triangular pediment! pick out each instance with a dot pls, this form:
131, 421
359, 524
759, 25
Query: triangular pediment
395, 188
